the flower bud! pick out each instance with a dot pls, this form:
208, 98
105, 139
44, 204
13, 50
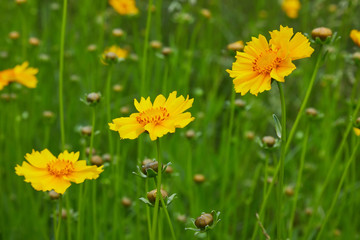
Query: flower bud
53, 195
14, 35
151, 196
86, 130
118, 88
169, 170
117, 32
236, 46
87, 151
106, 157
239, 103
93, 98
150, 165
181, 218
126, 202
321, 32
34, 41
206, 13
146, 161
91, 48
199, 178
19, 2
269, 141
97, 160
124, 110
4, 54
166, 51
289, 191
204, 220
111, 56
308, 211
311, 112
250, 135
356, 56
155, 44
190, 134
48, 114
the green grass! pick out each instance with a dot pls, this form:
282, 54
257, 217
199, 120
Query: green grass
236, 168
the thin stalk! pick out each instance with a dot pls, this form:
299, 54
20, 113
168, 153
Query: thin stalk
168, 217
61, 74
57, 234
93, 197
299, 178
80, 202
158, 193
305, 101
143, 85
68, 218
148, 217
335, 198
108, 106
282, 160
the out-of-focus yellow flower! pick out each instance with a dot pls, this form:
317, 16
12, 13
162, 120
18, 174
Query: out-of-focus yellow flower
262, 61
119, 52
291, 8
45, 172
124, 7
21, 74
157, 119
355, 36
357, 131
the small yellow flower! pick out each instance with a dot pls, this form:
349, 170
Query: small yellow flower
45, 172
357, 131
355, 36
21, 74
291, 8
262, 61
124, 7
158, 119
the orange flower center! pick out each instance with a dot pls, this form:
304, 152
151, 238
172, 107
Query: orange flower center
153, 115
60, 167
266, 62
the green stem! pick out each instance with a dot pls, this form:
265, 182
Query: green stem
108, 107
143, 85
148, 217
282, 160
94, 220
57, 234
61, 74
335, 198
304, 102
79, 223
68, 218
158, 193
298, 181
168, 218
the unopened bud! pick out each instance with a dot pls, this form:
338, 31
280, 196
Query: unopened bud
92, 48
126, 202
269, 141
53, 195
124, 110
181, 218
199, 178
86, 130
150, 165
308, 211
97, 160
87, 151
289, 191
118, 88
311, 112
169, 170
48, 114
166, 51
155, 44
250, 135
190, 134
14, 35
111, 56
34, 41
93, 98
117, 32
106, 157
204, 220
206, 13
18, 2
239, 103
151, 196
236, 46
321, 32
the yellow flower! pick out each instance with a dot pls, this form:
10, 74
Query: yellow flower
291, 8
157, 119
357, 131
262, 61
124, 7
21, 73
45, 172
355, 36
120, 53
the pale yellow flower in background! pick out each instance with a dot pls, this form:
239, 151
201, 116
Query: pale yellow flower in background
124, 7
157, 119
262, 61
22, 74
45, 172
291, 8
355, 36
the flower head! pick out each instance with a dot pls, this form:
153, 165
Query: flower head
291, 8
355, 36
262, 60
21, 74
158, 119
114, 52
45, 172
124, 7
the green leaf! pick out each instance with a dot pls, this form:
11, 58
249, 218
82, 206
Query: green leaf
278, 127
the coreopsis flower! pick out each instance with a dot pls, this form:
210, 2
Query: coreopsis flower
356, 131
355, 36
291, 8
158, 119
262, 61
45, 172
124, 7
114, 53
21, 74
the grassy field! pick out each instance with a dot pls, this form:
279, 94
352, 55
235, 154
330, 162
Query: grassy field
300, 182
